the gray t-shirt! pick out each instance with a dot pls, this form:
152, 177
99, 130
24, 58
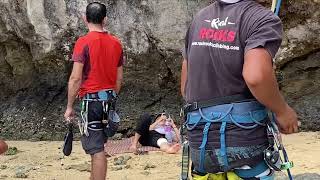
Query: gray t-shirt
216, 42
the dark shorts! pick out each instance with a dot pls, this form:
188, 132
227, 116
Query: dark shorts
237, 157
148, 138
94, 143
151, 139
244, 147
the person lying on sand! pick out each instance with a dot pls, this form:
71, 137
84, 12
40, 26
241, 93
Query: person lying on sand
158, 131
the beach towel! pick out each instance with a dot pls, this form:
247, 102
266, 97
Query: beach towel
114, 147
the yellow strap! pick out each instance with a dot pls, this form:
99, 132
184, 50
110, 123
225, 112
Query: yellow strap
233, 176
198, 177
274, 4
220, 176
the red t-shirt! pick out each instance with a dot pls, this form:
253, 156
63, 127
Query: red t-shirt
101, 54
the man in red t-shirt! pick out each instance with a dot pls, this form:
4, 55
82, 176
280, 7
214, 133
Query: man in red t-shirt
97, 69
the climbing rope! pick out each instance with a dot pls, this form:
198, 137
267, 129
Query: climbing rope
275, 7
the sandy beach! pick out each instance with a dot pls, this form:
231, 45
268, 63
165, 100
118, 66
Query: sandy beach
44, 161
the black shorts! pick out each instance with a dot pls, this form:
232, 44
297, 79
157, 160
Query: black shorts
94, 143
148, 138
151, 139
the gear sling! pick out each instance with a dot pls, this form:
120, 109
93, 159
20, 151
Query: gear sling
110, 121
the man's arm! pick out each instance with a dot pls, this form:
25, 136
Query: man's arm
184, 72
119, 79
157, 121
261, 80
153, 125
73, 88
74, 83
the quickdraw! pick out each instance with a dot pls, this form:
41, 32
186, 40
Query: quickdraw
83, 121
276, 156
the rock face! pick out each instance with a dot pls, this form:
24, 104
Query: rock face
37, 38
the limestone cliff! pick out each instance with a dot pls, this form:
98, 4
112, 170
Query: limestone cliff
37, 37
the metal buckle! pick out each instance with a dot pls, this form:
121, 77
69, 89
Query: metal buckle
185, 109
195, 105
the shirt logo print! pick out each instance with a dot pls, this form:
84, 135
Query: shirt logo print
216, 23
219, 35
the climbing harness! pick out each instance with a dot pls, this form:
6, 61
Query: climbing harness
203, 114
255, 114
110, 121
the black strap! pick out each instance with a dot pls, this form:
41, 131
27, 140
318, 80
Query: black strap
68, 138
218, 101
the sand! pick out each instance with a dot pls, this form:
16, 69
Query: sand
44, 161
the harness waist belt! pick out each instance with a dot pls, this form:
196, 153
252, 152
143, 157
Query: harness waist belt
97, 95
240, 114
238, 98
245, 112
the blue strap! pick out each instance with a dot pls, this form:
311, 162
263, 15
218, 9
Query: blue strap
203, 146
249, 173
219, 115
193, 121
270, 177
223, 148
241, 126
252, 117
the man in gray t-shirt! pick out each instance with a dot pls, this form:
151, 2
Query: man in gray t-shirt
228, 51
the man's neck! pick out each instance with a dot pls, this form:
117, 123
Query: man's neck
95, 27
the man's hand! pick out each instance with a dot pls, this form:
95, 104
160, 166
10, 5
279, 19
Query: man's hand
287, 121
69, 114
157, 121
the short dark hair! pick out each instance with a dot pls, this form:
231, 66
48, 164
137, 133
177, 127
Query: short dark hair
96, 12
